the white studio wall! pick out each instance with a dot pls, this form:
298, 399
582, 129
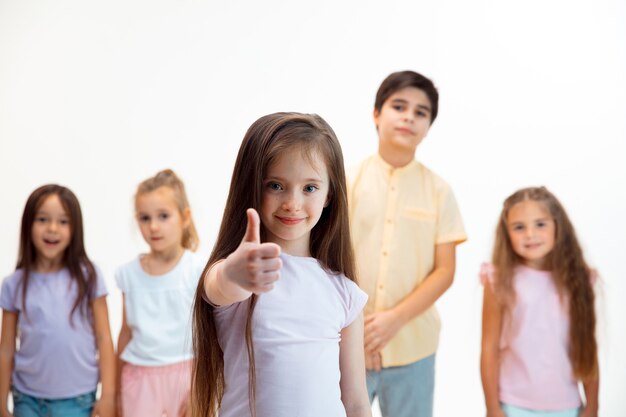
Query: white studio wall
99, 96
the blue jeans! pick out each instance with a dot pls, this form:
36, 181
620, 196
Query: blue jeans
404, 391
512, 411
26, 406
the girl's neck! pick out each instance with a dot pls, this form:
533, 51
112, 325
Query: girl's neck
537, 265
43, 265
159, 263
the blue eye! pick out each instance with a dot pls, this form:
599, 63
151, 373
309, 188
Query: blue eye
310, 188
274, 186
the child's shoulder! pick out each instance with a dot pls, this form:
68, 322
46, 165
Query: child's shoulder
428, 174
13, 278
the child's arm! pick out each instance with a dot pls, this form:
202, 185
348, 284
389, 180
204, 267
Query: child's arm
382, 326
591, 395
7, 354
105, 406
351, 364
122, 341
253, 267
489, 356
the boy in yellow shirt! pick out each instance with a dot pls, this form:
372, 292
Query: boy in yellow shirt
405, 228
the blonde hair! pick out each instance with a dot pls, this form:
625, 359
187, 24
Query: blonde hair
571, 274
167, 178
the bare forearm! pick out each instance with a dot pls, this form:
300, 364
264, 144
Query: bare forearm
489, 373
6, 368
122, 341
591, 394
108, 367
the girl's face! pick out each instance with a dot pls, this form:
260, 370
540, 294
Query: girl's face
51, 233
295, 192
532, 232
160, 221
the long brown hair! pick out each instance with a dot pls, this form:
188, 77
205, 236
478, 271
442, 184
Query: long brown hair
75, 257
570, 272
265, 141
168, 178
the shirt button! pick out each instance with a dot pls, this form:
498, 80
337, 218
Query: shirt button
384, 253
389, 221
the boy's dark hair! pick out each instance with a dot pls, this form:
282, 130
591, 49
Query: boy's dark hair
398, 80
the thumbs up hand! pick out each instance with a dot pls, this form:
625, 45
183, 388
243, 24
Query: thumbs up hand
253, 266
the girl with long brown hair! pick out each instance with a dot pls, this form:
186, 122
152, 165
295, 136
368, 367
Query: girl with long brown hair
277, 318
54, 305
539, 321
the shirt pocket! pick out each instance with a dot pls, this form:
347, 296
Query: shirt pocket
421, 223
419, 214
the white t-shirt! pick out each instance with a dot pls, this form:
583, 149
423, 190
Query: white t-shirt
296, 332
158, 311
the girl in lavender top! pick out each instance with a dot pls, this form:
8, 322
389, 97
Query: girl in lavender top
278, 330
538, 340
55, 305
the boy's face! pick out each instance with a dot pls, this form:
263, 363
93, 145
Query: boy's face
403, 120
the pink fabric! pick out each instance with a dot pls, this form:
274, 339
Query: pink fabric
156, 391
535, 370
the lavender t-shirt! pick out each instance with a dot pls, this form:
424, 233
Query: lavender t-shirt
296, 332
56, 358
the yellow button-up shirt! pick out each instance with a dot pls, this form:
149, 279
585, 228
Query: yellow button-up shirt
397, 217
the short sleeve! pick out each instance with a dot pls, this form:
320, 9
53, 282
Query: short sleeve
356, 301
119, 279
486, 274
450, 227
8, 293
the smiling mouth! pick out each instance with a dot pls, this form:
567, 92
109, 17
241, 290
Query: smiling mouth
289, 220
50, 242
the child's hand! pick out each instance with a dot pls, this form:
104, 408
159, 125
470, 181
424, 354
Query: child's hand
380, 328
104, 407
254, 266
373, 361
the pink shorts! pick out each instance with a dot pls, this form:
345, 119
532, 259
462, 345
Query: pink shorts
156, 391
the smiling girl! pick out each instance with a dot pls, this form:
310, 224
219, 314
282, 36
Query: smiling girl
54, 304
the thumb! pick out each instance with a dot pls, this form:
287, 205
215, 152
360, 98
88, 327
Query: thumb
253, 230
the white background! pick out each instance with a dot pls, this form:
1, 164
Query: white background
98, 96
